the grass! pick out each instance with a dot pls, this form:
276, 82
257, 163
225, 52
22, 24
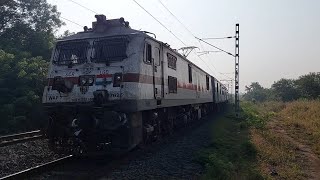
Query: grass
276, 130
265, 142
231, 154
277, 156
302, 121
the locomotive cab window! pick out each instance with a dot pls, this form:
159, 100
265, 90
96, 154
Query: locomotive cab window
112, 49
148, 50
172, 84
190, 73
68, 53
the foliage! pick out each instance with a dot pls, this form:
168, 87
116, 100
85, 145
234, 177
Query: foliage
28, 25
27, 30
257, 114
309, 85
286, 90
252, 115
306, 86
255, 92
22, 80
231, 154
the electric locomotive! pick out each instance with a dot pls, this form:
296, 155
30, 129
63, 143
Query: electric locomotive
113, 87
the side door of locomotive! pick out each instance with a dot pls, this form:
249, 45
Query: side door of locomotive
157, 66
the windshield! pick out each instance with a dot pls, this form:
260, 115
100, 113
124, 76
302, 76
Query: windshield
70, 53
112, 49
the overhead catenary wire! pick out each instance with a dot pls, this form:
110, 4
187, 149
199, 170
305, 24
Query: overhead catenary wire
196, 38
169, 30
226, 76
228, 37
165, 27
193, 33
176, 17
71, 21
159, 22
95, 12
215, 46
186, 29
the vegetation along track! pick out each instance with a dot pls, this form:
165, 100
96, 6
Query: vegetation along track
38, 169
21, 137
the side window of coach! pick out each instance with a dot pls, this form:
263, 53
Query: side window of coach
172, 83
217, 87
172, 61
148, 51
207, 82
190, 73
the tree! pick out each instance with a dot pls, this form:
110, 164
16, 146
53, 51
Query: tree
255, 92
285, 89
27, 30
28, 25
21, 80
309, 85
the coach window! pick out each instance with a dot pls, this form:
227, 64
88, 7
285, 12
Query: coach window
207, 82
190, 73
172, 83
148, 53
172, 61
217, 87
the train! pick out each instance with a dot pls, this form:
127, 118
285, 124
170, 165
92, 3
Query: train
111, 87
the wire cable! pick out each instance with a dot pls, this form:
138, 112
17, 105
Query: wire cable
195, 36
176, 17
175, 35
71, 21
83, 6
159, 22
192, 33
215, 46
228, 37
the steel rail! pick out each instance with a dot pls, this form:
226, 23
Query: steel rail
20, 137
37, 169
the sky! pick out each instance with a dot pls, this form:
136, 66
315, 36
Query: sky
278, 38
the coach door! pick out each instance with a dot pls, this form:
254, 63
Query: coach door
157, 71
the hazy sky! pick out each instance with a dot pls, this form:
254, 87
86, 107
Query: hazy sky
278, 38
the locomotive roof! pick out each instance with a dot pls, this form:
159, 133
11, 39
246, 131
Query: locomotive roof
117, 27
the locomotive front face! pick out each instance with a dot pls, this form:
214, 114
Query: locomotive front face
87, 71
85, 88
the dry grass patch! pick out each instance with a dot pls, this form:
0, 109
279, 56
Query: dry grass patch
287, 138
302, 121
277, 156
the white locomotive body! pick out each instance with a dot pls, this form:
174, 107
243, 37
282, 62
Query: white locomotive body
125, 84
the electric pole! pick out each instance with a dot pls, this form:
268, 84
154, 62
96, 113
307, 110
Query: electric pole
236, 78
236, 56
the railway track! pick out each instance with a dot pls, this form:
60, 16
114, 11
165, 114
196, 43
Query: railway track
38, 169
21, 137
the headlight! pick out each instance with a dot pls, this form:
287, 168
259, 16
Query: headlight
117, 79
83, 81
86, 80
90, 80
